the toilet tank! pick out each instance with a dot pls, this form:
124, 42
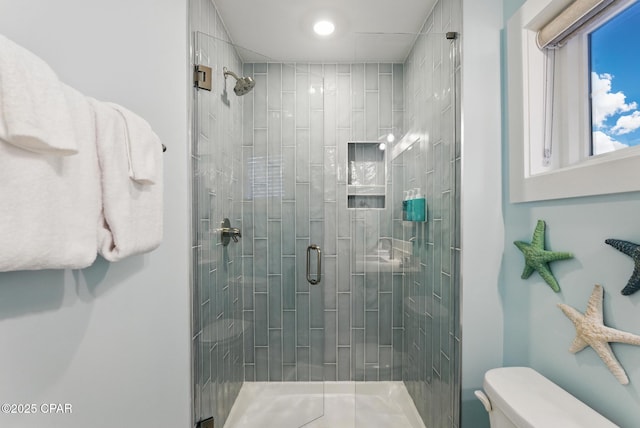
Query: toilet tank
521, 397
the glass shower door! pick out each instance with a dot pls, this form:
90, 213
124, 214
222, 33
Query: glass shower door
411, 335
217, 325
254, 154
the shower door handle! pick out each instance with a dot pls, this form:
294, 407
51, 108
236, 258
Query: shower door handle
318, 275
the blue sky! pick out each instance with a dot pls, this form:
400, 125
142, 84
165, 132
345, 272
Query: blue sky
615, 80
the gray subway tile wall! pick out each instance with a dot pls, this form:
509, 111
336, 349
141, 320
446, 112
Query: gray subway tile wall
431, 369
323, 106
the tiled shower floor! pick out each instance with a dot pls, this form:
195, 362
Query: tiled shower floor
346, 405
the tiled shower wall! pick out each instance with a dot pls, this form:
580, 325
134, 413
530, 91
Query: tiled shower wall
296, 126
282, 215
216, 193
369, 103
432, 318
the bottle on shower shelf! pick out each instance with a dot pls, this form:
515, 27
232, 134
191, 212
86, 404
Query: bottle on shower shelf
419, 206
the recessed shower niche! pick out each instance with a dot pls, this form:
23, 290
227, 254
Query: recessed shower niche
367, 174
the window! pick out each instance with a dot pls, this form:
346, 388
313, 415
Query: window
566, 148
615, 88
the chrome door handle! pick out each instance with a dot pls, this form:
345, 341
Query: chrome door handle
318, 275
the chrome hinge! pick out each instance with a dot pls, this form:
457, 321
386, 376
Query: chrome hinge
202, 77
207, 423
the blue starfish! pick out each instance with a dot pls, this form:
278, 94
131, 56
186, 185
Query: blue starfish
632, 250
536, 258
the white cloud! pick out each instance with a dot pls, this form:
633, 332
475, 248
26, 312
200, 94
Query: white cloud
627, 124
605, 102
602, 143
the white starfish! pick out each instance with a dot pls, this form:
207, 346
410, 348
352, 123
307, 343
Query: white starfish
591, 331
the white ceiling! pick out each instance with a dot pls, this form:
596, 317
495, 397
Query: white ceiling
366, 30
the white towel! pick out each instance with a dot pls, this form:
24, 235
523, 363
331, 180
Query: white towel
143, 146
132, 212
49, 204
33, 110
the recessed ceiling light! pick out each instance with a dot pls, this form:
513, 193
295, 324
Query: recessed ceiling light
323, 28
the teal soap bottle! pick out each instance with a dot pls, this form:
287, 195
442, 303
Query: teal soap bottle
405, 203
419, 207
410, 195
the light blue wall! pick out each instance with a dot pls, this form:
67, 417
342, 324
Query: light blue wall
482, 225
112, 340
536, 333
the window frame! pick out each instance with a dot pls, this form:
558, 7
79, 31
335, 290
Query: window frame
572, 171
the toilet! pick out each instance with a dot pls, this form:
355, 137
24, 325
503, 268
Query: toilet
520, 397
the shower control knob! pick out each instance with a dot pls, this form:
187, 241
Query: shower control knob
227, 232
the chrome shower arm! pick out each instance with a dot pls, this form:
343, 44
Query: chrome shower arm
228, 72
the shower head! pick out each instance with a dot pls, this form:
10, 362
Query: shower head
243, 84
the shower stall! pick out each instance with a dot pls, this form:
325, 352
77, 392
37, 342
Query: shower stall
315, 301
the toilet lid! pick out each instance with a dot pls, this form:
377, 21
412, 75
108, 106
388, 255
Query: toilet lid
531, 400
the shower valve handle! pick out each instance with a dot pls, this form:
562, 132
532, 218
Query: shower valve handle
232, 232
226, 232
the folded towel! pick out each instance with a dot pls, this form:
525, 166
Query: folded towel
50, 205
131, 211
33, 110
143, 146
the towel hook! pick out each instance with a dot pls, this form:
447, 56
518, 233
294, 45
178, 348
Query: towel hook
164, 148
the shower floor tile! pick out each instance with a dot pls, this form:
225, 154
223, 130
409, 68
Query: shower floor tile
346, 405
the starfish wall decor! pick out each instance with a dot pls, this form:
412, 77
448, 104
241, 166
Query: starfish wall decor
536, 258
591, 331
632, 250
